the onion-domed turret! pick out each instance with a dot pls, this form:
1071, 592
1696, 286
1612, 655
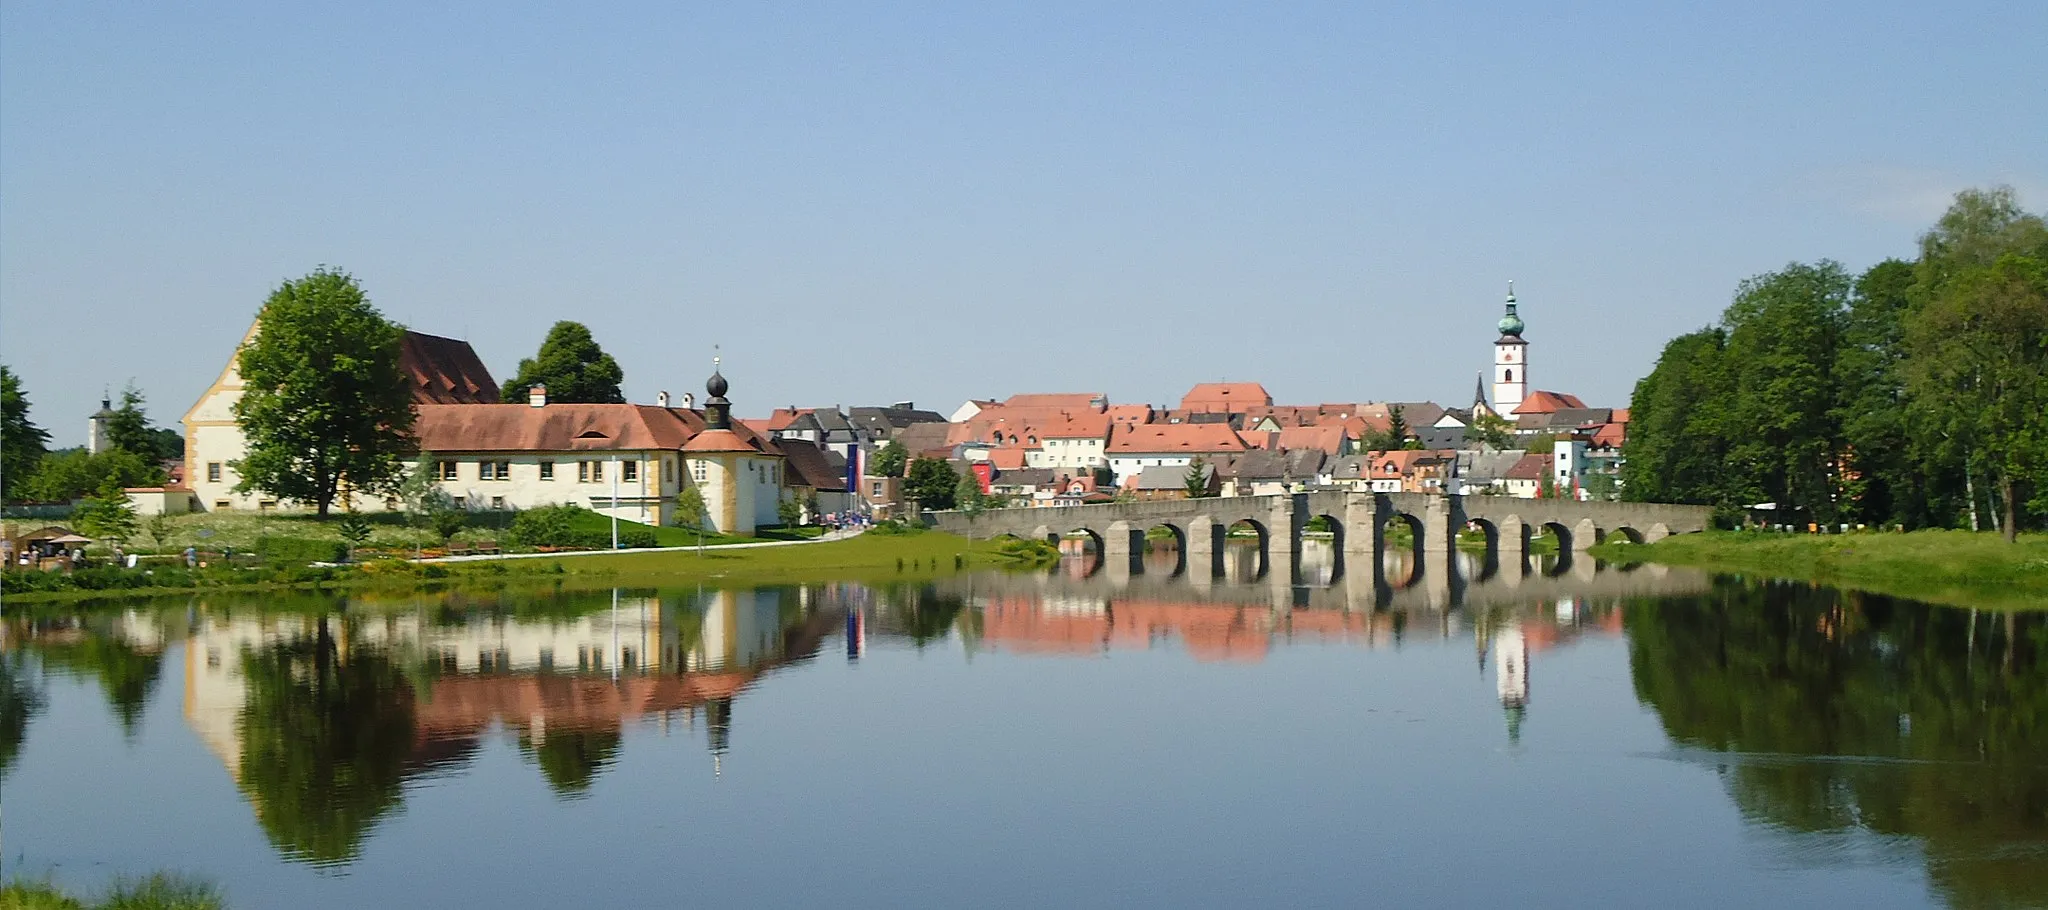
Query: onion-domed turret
1511, 323
717, 410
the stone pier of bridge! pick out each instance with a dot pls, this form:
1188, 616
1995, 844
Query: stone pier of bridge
1358, 522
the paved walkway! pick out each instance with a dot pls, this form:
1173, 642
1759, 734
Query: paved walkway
845, 534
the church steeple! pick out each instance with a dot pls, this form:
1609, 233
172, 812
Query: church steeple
1510, 360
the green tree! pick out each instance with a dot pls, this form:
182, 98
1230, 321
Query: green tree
931, 482
1491, 430
324, 741
1784, 333
355, 531
789, 511
1680, 424
21, 441
327, 409
127, 675
1394, 437
1196, 480
73, 474
890, 461
158, 529
1976, 337
691, 512
107, 514
1886, 482
572, 366
967, 495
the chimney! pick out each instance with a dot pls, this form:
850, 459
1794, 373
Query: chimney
661, 399
537, 396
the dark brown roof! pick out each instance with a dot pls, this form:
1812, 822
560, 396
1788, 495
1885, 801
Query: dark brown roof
445, 371
809, 467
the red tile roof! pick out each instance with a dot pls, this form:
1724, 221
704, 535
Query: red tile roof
1542, 402
569, 428
1226, 397
1072, 401
1328, 439
1533, 466
1177, 437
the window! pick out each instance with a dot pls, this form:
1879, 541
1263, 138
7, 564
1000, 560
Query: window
878, 488
390, 503
547, 470
494, 470
222, 504
668, 470
1507, 376
462, 502
629, 471
498, 502
590, 472
698, 472
627, 659
213, 472
447, 470
547, 660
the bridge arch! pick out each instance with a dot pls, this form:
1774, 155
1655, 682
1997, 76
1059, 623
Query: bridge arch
1334, 526
1626, 533
1165, 546
1086, 547
1260, 561
1489, 561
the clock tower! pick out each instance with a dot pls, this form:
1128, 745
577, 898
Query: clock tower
1510, 361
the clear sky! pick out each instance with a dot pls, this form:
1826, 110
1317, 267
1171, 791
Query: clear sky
869, 202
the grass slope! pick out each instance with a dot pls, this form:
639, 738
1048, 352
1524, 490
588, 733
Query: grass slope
1961, 568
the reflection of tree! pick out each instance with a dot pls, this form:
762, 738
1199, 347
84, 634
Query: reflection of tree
19, 701
126, 676
923, 613
571, 759
324, 742
1944, 728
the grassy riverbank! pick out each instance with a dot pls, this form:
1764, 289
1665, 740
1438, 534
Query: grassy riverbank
875, 556
156, 892
1961, 568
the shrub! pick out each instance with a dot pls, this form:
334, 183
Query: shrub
299, 551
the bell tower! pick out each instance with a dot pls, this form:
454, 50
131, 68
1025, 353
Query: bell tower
1510, 361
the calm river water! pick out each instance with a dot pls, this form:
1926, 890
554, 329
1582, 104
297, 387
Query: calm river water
1599, 738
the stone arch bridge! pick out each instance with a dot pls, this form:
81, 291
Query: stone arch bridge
1358, 523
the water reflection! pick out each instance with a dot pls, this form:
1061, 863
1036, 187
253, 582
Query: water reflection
1823, 715
1827, 713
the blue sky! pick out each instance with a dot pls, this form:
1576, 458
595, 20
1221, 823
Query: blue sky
867, 202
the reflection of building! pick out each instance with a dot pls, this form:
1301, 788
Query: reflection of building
536, 677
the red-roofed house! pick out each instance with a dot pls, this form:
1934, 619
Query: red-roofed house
1153, 445
1225, 398
1525, 479
1542, 402
1328, 440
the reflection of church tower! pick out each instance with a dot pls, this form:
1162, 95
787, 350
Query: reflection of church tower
718, 715
1511, 673
1510, 360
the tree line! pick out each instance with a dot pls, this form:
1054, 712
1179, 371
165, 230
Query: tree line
1914, 394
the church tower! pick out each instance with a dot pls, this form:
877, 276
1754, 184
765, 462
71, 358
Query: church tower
1510, 361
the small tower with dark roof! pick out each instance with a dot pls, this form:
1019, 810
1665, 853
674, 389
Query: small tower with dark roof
739, 475
102, 420
1510, 360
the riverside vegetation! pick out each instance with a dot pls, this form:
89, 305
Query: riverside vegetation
1959, 568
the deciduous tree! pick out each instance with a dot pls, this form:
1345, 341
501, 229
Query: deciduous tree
572, 366
931, 482
21, 441
890, 461
327, 408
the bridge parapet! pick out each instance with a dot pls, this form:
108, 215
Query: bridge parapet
1357, 519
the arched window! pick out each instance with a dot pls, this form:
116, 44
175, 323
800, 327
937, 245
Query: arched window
1507, 376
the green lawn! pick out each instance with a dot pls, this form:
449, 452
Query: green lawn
389, 532
1963, 568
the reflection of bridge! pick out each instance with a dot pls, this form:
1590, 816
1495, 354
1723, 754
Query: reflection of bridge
1435, 584
1358, 521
